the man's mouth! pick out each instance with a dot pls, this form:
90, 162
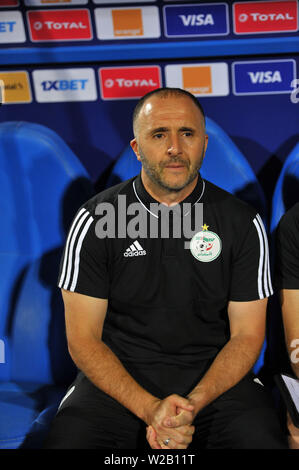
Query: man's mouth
175, 165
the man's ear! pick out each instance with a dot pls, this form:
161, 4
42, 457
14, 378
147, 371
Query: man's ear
206, 143
134, 146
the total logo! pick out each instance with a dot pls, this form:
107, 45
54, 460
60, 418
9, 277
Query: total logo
128, 82
54, 2
9, 3
124, 83
59, 25
265, 17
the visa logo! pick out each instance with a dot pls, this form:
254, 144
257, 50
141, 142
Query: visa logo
196, 20
61, 85
263, 77
7, 26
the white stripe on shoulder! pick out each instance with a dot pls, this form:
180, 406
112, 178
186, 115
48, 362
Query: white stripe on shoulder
85, 217
260, 268
66, 251
267, 273
77, 255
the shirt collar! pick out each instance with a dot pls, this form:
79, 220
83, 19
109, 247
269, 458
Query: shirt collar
146, 199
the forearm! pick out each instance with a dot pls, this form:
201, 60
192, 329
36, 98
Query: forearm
104, 369
231, 364
290, 315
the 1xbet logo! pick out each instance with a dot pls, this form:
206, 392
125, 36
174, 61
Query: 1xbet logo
54, 85
61, 85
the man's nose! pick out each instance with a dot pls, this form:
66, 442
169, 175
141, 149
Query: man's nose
173, 145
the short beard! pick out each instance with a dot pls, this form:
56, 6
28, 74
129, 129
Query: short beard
154, 175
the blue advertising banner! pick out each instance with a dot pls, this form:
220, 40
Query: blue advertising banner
196, 20
263, 76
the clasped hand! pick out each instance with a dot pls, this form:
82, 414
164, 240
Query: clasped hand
171, 420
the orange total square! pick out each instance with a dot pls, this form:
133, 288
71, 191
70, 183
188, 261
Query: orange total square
127, 22
197, 80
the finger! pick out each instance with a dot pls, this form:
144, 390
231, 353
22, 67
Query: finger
172, 444
182, 435
152, 438
183, 403
179, 420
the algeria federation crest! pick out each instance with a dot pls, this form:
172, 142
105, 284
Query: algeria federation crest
205, 246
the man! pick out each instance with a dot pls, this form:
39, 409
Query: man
287, 269
164, 329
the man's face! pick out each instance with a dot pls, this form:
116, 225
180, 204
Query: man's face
170, 141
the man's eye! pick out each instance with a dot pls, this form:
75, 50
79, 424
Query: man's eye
158, 136
188, 134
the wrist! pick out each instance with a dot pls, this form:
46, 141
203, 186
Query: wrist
199, 399
149, 408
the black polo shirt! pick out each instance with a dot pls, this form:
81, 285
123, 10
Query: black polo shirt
287, 250
168, 296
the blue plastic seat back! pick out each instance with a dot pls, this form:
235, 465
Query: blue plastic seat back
43, 183
223, 165
286, 192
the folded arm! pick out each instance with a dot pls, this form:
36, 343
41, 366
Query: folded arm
290, 313
247, 321
84, 317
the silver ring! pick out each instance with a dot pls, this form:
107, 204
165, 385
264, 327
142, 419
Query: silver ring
166, 442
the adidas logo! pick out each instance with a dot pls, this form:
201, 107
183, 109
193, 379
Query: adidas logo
135, 250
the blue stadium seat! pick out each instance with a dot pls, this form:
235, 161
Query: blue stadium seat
42, 184
286, 192
223, 165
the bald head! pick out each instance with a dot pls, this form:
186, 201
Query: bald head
162, 93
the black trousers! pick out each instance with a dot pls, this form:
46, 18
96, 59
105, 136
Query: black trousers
242, 418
